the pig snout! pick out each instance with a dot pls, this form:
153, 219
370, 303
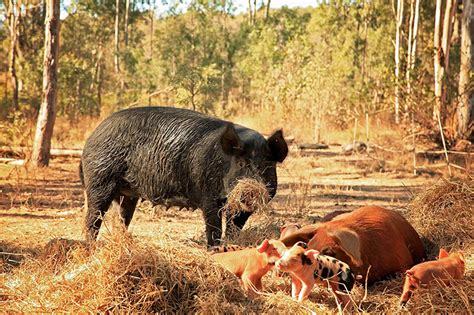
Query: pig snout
279, 264
405, 297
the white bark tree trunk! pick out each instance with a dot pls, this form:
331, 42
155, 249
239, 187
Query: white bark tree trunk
14, 19
127, 8
464, 107
47, 114
412, 38
438, 69
117, 36
397, 60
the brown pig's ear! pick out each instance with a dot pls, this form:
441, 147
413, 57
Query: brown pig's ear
443, 253
349, 243
263, 247
311, 254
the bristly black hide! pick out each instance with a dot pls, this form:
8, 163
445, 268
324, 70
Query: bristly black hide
173, 157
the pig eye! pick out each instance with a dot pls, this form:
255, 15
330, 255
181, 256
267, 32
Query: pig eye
412, 287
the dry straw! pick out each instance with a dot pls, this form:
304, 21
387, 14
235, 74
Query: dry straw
126, 275
248, 195
444, 214
122, 275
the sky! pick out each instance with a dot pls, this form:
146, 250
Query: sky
278, 3
241, 5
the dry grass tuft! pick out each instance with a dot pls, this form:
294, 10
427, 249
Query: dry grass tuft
443, 214
123, 275
248, 195
456, 298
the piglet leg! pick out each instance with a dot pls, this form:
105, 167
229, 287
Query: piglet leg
306, 287
295, 286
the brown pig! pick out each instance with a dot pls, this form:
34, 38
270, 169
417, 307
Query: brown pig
307, 267
444, 269
368, 237
251, 264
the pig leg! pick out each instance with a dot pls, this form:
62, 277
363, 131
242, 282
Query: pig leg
98, 202
126, 207
306, 287
249, 286
240, 219
213, 219
235, 223
295, 286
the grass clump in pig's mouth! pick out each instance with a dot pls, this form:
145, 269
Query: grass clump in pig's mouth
248, 195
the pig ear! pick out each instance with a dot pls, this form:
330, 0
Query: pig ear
349, 242
263, 247
461, 257
311, 254
230, 141
278, 146
443, 253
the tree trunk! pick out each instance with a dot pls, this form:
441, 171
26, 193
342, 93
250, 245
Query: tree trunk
409, 48
47, 114
127, 8
14, 21
267, 10
415, 34
411, 54
250, 11
152, 18
254, 11
397, 60
464, 108
438, 69
447, 31
117, 51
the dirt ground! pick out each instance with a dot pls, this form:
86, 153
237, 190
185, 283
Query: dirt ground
37, 205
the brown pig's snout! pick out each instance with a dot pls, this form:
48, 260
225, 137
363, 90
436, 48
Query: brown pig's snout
281, 264
278, 264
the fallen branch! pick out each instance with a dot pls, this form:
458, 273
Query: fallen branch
22, 152
312, 146
373, 145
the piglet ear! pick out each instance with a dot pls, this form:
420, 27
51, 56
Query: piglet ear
230, 141
263, 247
409, 273
461, 257
278, 146
443, 253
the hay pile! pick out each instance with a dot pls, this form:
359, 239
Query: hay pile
122, 275
248, 195
444, 214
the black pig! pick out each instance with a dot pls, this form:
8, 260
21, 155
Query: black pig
173, 157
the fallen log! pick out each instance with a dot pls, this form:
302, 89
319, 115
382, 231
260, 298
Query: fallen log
21, 152
312, 146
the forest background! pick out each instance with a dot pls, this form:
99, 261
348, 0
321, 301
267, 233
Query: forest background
399, 67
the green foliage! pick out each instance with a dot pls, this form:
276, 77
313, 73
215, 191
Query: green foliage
332, 61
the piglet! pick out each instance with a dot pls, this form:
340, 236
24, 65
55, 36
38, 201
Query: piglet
308, 267
251, 264
447, 267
